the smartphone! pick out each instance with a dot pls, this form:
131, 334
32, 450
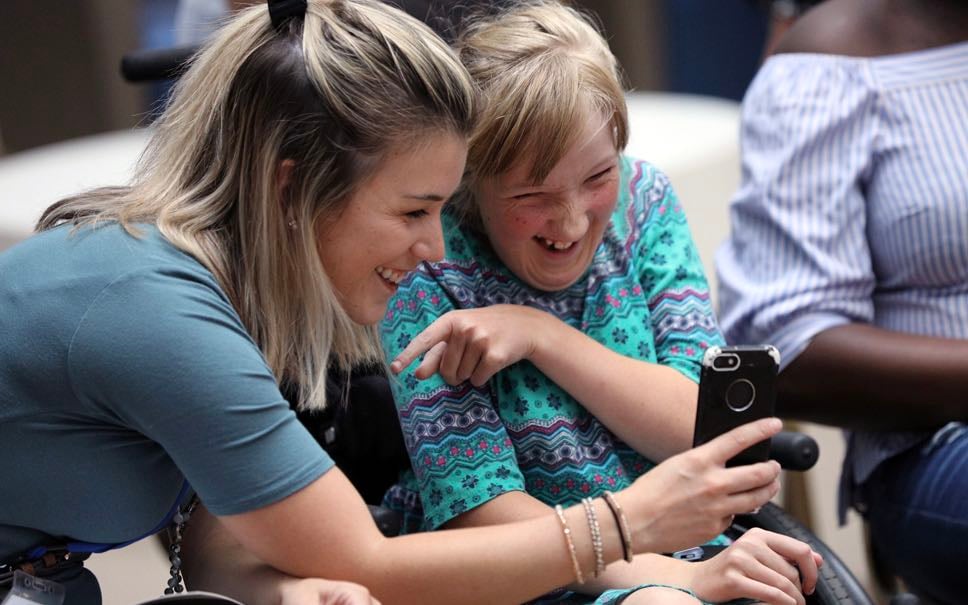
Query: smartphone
736, 385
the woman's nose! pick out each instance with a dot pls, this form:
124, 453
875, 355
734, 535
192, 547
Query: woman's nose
430, 245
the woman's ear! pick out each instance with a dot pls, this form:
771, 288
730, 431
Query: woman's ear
284, 176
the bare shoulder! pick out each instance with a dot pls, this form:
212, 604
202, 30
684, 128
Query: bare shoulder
834, 27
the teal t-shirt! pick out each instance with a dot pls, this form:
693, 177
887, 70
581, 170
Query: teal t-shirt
124, 371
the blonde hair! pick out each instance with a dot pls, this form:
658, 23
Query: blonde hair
542, 67
334, 92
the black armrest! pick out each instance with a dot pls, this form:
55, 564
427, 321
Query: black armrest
388, 521
163, 64
794, 451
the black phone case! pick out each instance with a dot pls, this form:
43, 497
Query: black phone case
722, 395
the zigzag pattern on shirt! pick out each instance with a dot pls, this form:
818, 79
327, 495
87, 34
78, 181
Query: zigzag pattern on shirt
551, 445
682, 312
569, 485
447, 411
443, 468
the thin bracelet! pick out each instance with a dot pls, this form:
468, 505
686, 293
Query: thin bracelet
596, 533
622, 522
579, 576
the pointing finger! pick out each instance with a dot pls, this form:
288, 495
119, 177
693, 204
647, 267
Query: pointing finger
431, 361
436, 332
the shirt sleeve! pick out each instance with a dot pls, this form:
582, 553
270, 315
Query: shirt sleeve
671, 274
162, 352
460, 451
797, 261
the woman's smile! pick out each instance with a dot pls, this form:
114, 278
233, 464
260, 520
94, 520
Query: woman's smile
391, 278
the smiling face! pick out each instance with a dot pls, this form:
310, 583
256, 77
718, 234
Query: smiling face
390, 225
547, 234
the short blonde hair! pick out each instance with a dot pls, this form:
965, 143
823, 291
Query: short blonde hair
334, 92
541, 67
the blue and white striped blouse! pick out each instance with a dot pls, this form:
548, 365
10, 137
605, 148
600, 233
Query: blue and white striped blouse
853, 207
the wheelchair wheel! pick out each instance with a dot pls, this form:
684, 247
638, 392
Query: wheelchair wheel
836, 585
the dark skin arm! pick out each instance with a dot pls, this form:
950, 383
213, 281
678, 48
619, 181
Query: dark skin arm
860, 376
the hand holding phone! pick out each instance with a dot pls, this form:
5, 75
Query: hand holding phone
737, 385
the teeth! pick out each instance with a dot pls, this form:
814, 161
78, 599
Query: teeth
390, 275
554, 244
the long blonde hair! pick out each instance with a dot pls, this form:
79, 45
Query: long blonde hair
541, 67
334, 92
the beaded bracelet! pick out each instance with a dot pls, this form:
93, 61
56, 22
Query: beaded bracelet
579, 576
623, 524
596, 533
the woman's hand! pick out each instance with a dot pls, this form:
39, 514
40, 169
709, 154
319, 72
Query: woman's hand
313, 591
760, 565
474, 344
691, 497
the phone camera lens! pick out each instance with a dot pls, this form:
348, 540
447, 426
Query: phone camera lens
726, 362
740, 395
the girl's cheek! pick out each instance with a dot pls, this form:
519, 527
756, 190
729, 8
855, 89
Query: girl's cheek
524, 222
604, 197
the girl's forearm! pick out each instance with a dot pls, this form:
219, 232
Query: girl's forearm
649, 406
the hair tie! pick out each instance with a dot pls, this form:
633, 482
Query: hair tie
281, 11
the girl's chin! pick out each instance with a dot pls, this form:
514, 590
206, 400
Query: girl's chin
553, 283
555, 280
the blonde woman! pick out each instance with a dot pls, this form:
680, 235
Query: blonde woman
295, 179
562, 335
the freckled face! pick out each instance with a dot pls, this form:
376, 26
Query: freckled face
547, 234
390, 225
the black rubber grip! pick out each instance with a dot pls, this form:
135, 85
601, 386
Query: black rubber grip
161, 64
794, 451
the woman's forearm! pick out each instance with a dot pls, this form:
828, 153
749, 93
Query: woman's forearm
645, 568
342, 543
325, 530
861, 376
649, 406
215, 561
218, 563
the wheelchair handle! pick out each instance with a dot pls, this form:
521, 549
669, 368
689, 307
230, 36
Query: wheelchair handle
160, 64
794, 451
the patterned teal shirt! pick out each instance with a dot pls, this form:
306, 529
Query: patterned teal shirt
644, 296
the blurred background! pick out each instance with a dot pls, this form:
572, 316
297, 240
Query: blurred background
66, 120
59, 62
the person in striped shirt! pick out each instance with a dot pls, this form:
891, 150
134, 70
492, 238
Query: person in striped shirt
849, 251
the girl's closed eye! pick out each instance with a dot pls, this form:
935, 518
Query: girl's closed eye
420, 213
524, 196
601, 174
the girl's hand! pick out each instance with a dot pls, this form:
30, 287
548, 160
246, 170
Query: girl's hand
474, 344
691, 497
313, 591
760, 565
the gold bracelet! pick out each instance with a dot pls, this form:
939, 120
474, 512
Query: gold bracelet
596, 533
623, 524
579, 576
